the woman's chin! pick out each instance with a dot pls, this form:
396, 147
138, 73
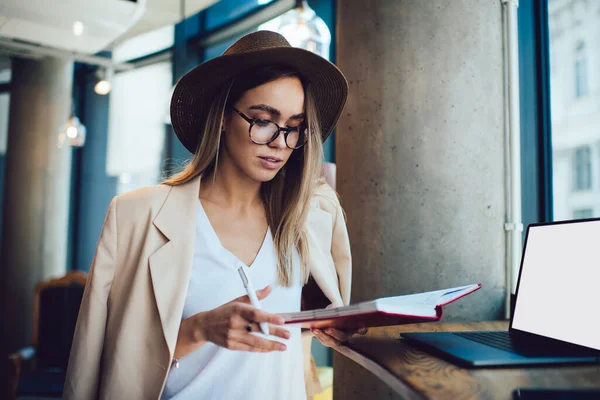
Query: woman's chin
264, 175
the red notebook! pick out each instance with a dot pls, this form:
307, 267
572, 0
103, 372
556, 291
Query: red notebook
398, 310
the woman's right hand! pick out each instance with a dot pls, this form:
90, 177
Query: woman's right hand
226, 326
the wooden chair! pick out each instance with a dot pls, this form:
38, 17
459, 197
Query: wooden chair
39, 370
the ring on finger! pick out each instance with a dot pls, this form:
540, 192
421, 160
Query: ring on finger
249, 327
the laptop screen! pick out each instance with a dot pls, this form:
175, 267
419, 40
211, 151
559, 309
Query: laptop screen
559, 285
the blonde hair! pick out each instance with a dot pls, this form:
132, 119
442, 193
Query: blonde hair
286, 197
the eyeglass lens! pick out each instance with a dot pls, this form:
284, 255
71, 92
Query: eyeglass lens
264, 131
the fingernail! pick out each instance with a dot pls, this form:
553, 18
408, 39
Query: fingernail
317, 332
288, 335
328, 330
282, 347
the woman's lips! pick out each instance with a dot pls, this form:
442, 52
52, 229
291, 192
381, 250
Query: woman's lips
270, 162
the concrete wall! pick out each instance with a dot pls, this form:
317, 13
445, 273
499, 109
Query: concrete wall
420, 157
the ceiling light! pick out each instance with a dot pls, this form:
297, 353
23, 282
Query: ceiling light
73, 132
104, 84
78, 28
103, 87
304, 29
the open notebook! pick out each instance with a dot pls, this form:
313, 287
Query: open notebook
397, 310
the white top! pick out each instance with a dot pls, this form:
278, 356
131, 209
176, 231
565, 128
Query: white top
214, 372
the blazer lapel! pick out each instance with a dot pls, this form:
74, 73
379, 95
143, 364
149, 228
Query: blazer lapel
171, 264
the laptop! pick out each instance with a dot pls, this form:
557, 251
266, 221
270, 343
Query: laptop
555, 319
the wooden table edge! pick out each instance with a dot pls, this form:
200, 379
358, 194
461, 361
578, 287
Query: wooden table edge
380, 372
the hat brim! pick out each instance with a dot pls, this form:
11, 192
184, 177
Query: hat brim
194, 91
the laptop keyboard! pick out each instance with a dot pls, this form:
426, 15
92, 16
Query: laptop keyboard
503, 341
498, 339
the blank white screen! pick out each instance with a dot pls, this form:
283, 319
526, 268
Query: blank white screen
560, 283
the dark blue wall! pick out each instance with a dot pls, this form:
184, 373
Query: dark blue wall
92, 189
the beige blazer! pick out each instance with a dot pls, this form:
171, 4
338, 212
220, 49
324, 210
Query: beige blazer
133, 301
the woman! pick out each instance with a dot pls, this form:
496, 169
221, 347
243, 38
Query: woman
165, 313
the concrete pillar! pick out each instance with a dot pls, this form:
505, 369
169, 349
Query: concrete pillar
36, 191
420, 156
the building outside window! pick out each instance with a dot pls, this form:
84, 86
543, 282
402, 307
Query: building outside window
574, 27
583, 213
581, 81
582, 168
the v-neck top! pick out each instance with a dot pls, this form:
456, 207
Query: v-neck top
214, 372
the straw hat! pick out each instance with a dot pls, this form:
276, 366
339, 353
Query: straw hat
194, 91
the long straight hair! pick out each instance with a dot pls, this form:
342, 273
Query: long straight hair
288, 195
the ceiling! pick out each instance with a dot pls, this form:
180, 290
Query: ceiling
49, 23
164, 12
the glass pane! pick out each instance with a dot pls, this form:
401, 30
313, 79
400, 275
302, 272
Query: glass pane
574, 27
4, 107
138, 110
144, 44
5, 74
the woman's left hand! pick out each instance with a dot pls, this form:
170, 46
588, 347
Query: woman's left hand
331, 337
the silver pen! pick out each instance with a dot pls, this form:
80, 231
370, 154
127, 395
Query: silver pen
264, 327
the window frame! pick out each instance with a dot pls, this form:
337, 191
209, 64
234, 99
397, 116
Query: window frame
536, 122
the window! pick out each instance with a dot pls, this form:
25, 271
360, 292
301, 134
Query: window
581, 82
4, 112
573, 43
4, 107
138, 112
582, 168
5, 77
137, 125
144, 44
583, 213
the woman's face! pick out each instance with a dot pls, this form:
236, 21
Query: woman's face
280, 101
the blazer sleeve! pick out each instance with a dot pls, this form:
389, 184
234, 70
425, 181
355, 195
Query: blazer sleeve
83, 371
340, 251
327, 200
340, 241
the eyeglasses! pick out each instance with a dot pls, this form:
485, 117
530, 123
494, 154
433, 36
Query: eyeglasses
263, 131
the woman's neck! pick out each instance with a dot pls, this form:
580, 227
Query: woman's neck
230, 190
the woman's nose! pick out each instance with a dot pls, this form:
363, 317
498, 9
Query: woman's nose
279, 142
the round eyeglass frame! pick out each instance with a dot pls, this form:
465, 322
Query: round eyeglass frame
286, 131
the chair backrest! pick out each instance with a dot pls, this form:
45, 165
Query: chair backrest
56, 308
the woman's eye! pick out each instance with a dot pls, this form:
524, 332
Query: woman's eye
261, 122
